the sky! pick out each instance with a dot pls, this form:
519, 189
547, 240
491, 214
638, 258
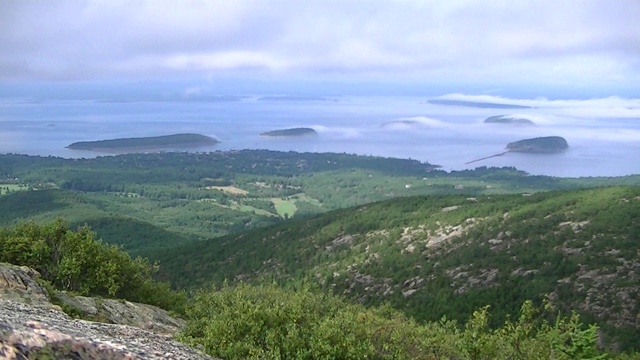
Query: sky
476, 46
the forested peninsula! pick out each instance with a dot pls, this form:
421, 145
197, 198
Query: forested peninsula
150, 142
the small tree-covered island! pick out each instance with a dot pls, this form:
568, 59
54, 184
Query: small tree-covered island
302, 131
150, 142
539, 145
545, 144
504, 119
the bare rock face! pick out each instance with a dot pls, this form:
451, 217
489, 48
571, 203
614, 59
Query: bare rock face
18, 283
28, 332
33, 328
124, 312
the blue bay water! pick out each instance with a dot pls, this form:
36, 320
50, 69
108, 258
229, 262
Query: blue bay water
405, 127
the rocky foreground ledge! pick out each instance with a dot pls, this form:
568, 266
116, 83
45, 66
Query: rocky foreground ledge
31, 327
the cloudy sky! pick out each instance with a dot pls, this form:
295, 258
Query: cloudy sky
587, 43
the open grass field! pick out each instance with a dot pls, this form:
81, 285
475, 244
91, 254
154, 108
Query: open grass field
233, 205
285, 207
8, 188
228, 189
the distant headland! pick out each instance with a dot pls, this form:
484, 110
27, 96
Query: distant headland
151, 142
476, 104
292, 98
290, 132
504, 119
401, 123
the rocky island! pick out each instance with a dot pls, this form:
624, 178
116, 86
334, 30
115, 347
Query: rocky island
545, 144
504, 119
150, 143
290, 132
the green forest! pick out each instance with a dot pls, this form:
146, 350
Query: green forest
281, 254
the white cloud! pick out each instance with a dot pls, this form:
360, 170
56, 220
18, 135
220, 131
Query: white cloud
609, 107
406, 123
338, 132
224, 60
501, 41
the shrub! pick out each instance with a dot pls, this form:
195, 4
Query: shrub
76, 261
266, 322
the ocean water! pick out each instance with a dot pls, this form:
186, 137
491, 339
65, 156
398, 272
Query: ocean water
603, 134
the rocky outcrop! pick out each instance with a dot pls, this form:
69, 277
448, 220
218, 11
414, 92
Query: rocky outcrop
32, 327
342, 240
464, 279
28, 332
123, 312
598, 289
18, 283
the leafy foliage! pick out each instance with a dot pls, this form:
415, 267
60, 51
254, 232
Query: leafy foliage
75, 261
266, 322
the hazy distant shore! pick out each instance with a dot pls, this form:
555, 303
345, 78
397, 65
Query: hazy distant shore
450, 136
146, 143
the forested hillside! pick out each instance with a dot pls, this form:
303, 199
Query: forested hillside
405, 241
142, 201
244, 322
449, 255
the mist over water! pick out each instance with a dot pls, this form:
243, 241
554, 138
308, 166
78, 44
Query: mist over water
603, 134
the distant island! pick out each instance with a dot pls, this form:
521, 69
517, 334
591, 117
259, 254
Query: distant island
546, 144
504, 119
539, 145
290, 132
476, 104
401, 122
186, 98
151, 142
292, 98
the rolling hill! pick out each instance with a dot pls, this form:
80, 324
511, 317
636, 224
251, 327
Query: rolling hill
448, 255
372, 230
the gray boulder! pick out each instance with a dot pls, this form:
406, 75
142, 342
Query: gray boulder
18, 283
32, 327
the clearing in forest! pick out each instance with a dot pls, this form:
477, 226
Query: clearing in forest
228, 189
